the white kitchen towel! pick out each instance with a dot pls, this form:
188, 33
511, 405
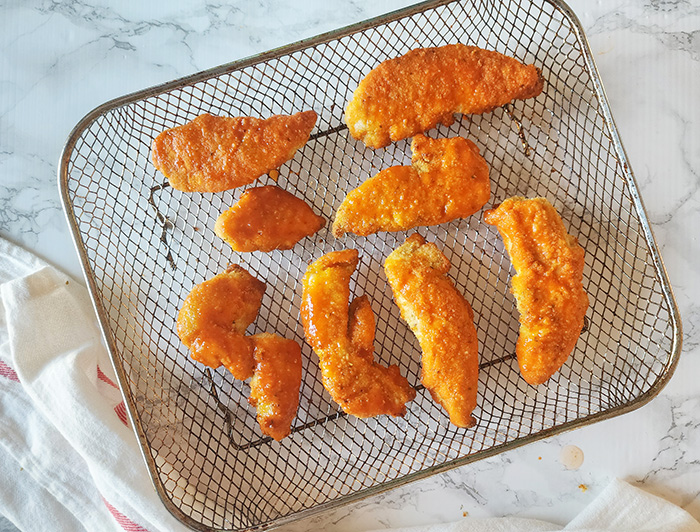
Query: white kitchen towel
70, 461
65, 444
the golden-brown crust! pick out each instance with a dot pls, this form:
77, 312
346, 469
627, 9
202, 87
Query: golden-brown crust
548, 285
274, 388
214, 317
448, 179
213, 153
342, 337
267, 218
443, 322
361, 326
417, 91
212, 324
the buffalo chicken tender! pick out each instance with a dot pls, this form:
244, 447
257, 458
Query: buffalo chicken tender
443, 322
448, 179
342, 336
212, 153
274, 388
214, 317
417, 91
547, 286
267, 218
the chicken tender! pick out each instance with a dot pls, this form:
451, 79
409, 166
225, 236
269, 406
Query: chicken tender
215, 153
214, 317
417, 91
274, 388
448, 179
343, 338
443, 322
267, 218
548, 285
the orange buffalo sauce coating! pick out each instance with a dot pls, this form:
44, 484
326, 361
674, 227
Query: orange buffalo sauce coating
267, 218
274, 388
216, 153
448, 179
213, 319
342, 336
212, 324
548, 284
425, 87
443, 322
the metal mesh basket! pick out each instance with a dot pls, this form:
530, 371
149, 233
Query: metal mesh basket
144, 245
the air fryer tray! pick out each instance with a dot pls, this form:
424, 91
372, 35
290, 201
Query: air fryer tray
144, 245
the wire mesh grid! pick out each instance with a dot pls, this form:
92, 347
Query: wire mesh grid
145, 245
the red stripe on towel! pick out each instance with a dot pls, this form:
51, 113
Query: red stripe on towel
8, 372
123, 521
120, 409
105, 378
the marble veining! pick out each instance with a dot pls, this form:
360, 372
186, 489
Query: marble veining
59, 60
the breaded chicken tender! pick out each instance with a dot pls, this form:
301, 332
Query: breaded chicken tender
215, 153
214, 317
343, 338
448, 179
212, 324
274, 388
267, 218
417, 91
548, 284
443, 322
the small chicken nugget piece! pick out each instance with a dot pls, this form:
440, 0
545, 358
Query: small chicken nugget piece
417, 91
342, 336
216, 153
274, 388
548, 285
443, 322
214, 317
448, 179
267, 218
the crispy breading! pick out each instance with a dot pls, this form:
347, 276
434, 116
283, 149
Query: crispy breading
214, 317
548, 285
448, 179
267, 218
274, 388
361, 325
443, 322
417, 91
343, 336
216, 153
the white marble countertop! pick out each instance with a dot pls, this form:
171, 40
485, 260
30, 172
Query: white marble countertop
59, 60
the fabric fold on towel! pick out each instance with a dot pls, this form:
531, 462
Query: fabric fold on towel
65, 440
72, 457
